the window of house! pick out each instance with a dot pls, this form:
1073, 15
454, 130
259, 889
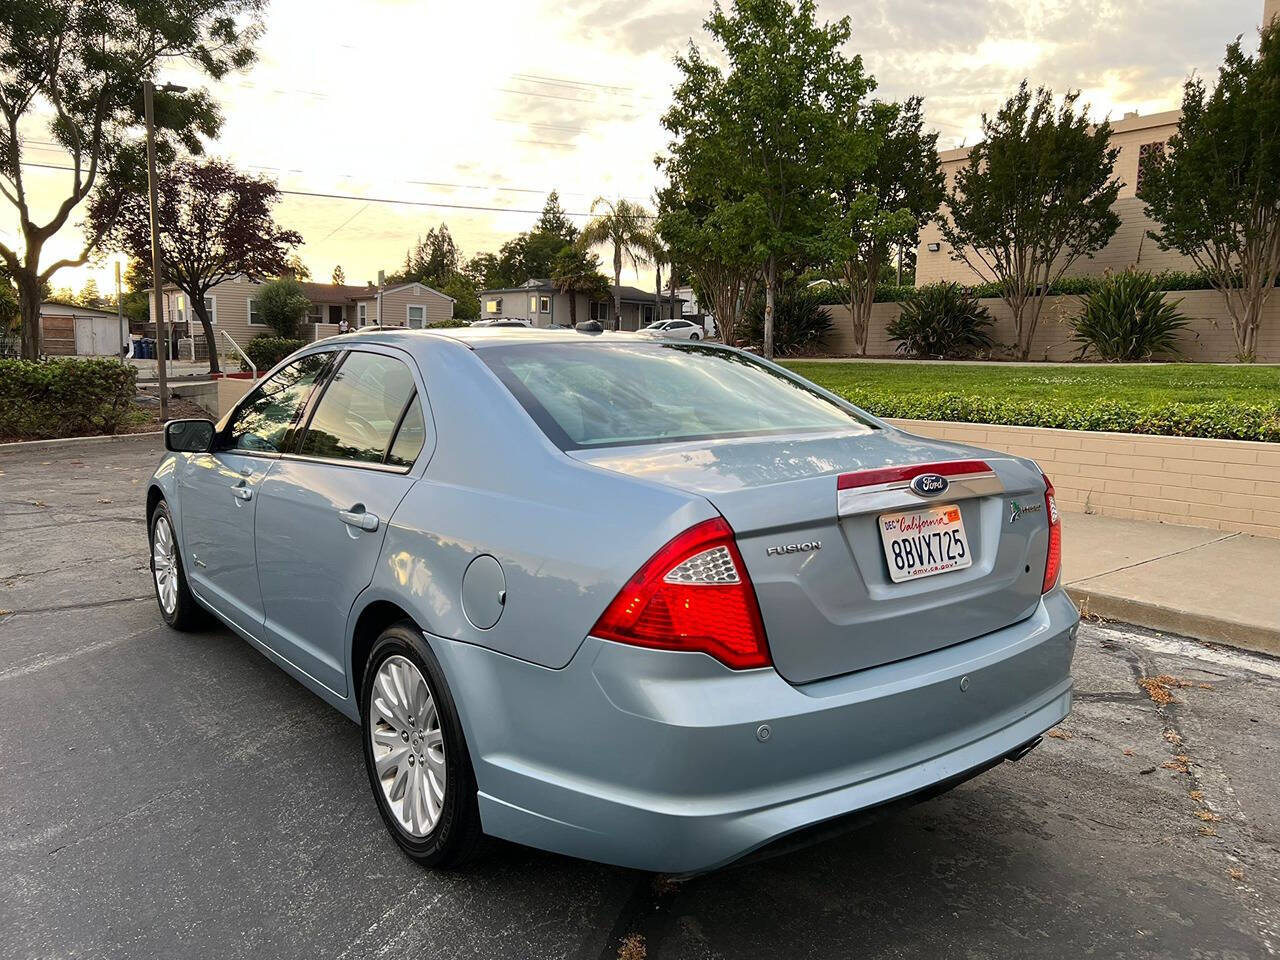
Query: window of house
533, 304
1149, 155
362, 312
360, 409
255, 318
493, 305
315, 313
179, 308
647, 313
211, 308
544, 304
599, 310
417, 316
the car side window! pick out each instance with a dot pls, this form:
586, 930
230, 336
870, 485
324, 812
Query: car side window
359, 410
410, 437
271, 409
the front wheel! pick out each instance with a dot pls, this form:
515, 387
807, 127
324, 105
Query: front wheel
415, 751
178, 607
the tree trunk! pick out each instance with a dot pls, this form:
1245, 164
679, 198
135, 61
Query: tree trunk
770, 280
671, 288
657, 291
202, 314
29, 300
573, 308
617, 287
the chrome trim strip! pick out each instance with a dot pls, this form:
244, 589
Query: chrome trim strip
899, 495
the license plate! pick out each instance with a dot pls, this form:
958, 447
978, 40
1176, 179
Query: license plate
923, 543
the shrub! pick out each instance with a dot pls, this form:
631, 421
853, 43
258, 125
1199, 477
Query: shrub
266, 352
282, 305
1128, 319
941, 321
800, 321
447, 324
1225, 420
64, 397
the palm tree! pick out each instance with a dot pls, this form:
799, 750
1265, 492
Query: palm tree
577, 270
624, 226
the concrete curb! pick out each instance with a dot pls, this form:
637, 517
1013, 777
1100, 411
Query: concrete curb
70, 443
1242, 636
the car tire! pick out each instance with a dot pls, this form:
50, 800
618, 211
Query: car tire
694, 336
178, 607
436, 831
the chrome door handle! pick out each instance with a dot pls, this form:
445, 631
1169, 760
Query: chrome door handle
367, 522
242, 493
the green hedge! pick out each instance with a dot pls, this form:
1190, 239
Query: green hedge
266, 352
1169, 280
69, 397
1224, 420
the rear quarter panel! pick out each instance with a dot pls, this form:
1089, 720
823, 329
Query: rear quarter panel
568, 535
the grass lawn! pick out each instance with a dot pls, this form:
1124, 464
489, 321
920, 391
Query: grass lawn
1186, 399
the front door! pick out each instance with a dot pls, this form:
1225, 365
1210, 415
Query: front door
324, 512
218, 492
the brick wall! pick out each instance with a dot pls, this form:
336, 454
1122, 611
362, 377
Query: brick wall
1231, 485
1206, 339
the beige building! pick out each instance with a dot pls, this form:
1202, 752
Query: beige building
232, 308
541, 305
1136, 137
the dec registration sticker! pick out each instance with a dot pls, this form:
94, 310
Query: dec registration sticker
923, 543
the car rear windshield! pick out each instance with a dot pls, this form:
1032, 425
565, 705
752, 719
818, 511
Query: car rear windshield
611, 394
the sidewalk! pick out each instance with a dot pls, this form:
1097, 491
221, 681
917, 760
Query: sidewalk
1215, 586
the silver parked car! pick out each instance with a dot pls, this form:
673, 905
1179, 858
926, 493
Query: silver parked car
647, 602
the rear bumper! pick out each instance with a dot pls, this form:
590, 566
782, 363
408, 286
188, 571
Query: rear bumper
657, 760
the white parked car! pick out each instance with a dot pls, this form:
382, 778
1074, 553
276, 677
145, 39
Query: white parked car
674, 330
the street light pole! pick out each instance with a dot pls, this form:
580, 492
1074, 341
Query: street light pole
157, 275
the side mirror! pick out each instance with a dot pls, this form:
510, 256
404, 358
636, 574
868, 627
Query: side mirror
189, 436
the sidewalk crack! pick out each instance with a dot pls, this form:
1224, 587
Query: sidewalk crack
1163, 556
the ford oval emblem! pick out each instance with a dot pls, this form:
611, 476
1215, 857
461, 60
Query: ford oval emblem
930, 484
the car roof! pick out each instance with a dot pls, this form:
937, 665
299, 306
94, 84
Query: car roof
480, 337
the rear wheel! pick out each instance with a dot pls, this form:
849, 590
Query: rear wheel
694, 336
415, 751
178, 607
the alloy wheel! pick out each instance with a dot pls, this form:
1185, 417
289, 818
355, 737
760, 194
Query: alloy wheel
408, 745
164, 563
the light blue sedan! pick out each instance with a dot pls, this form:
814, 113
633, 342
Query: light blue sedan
653, 603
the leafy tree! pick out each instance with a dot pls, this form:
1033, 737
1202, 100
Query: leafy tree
137, 281
339, 276
484, 271
84, 61
769, 130
554, 221
215, 224
294, 267
1035, 197
282, 305
1217, 194
9, 312
462, 288
880, 206
577, 271
432, 260
623, 226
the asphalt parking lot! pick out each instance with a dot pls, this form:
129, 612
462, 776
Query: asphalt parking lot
164, 794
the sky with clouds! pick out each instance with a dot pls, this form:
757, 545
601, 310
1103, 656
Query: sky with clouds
452, 106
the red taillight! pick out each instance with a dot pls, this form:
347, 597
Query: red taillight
1053, 563
693, 595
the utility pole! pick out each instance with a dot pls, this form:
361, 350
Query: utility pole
157, 267
382, 279
124, 331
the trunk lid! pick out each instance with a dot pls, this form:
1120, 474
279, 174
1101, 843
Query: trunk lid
814, 552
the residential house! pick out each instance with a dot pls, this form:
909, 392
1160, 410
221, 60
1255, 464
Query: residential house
1137, 138
68, 329
538, 302
232, 307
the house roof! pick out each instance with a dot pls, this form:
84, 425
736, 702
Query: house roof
74, 309
331, 292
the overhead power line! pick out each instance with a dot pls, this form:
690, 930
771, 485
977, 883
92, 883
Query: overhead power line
394, 201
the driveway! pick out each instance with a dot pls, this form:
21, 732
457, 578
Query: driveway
165, 794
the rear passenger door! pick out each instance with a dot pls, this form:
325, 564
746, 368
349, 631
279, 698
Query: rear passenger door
324, 509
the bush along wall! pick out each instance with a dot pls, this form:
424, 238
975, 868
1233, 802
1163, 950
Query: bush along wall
69, 397
266, 352
1222, 420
